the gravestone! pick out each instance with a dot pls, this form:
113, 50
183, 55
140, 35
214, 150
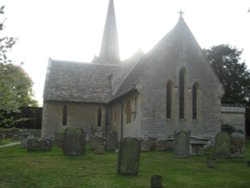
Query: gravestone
156, 181
74, 142
128, 157
197, 148
146, 145
96, 142
222, 145
33, 145
237, 144
59, 137
99, 145
39, 145
24, 141
111, 141
170, 144
46, 144
161, 145
181, 144
211, 161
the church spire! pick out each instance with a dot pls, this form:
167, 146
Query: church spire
109, 52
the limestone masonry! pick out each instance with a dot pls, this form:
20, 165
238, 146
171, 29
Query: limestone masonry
171, 88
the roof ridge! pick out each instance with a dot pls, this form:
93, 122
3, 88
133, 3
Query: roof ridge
125, 77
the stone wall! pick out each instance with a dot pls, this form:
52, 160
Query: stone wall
234, 116
152, 87
80, 115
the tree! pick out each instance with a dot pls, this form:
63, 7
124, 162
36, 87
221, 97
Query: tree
6, 43
233, 74
15, 84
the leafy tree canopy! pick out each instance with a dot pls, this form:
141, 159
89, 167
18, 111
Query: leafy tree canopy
15, 84
231, 71
15, 88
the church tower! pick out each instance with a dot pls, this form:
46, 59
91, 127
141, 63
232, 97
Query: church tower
109, 52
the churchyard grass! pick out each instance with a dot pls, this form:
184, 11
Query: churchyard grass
5, 141
22, 169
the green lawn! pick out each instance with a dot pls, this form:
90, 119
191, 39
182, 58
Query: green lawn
5, 141
22, 169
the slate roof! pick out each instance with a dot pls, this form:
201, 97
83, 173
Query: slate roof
101, 83
78, 82
177, 38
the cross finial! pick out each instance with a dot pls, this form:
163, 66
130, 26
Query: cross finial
181, 13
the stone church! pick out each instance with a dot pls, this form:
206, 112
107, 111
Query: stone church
151, 95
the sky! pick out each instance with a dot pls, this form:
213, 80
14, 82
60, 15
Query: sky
72, 29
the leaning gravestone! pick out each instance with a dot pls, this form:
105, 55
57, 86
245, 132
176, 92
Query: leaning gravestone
237, 144
128, 157
74, 142
111, 141
181, 144
59, 137
222, 145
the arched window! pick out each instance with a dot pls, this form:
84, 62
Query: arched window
182, 94
195, 100
99, 117
169, 100
65, 115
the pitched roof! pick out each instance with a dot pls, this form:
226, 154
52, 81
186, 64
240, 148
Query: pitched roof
179, 38
78, 82
102, 83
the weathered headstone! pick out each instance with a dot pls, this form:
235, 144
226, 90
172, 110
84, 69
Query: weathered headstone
100, 145
129, 157
222, 145
237, 144
39, 145
170, 144
96, 142
160, 145
156, 181
197, 148
181, 144
33, 145
24, 141
46, 144
74, 142
111, 141
146, 145
59, 137
211, 161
